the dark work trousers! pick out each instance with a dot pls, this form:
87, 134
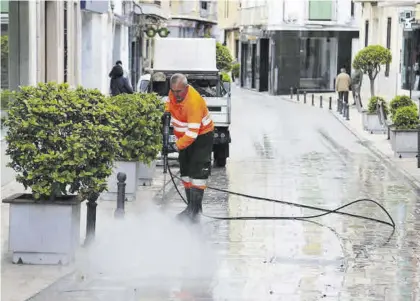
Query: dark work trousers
344, 95
195, 161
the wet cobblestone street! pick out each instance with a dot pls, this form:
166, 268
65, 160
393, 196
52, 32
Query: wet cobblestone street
297, 154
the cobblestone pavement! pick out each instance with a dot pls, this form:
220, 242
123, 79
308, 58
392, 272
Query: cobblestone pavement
279, 150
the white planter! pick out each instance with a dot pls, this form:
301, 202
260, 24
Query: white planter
364, 120
237, 82
405, 143
392, 135
43, 232
146, 173
130, 169
373, 125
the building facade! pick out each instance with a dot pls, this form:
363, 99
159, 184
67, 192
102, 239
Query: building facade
228, 22
299, 44
192, 18
396, 26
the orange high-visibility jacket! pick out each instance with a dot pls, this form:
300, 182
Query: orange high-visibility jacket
190, 117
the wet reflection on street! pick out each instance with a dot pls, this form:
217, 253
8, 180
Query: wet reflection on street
299, 154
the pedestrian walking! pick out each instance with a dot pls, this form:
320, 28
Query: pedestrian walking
119, 84
342, 85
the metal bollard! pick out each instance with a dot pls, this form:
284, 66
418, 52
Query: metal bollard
91, 219
297, 95
120, 212
313, 99
320, 101
291, 92
304, 97
347, 111
330, 103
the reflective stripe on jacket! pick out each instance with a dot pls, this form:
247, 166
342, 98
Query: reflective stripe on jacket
190, 117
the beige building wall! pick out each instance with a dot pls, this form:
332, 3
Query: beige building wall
228, 20
377, 16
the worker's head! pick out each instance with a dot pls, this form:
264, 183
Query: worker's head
118, 63
179, 86
343, 70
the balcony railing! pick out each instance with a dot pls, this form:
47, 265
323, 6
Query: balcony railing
255, 15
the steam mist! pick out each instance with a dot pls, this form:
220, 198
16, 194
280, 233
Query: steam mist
151, 247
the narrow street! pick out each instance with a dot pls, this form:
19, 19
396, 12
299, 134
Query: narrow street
293, 153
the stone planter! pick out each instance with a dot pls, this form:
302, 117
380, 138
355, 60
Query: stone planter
146, 173
46, 232
130, 169
405, 143
392, 135
373, 125
237, 82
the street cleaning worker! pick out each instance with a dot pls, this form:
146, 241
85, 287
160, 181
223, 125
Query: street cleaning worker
193, 128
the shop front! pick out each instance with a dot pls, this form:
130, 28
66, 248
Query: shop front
410, 64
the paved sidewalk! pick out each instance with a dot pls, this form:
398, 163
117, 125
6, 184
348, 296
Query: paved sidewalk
377, 143
20, 282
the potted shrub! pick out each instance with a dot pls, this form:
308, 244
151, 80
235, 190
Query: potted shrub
140, 143
61, 143
398, 102
370, 117
235, 72
405, 124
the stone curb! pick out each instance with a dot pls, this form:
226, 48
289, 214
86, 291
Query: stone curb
378, 153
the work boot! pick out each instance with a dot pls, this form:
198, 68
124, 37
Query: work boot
187, 211
196, 199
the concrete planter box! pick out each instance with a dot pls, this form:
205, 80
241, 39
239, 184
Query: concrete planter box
130, 169
405, 143
364, 120
43, 232
392, 135
146, 173
373, 125
237, 82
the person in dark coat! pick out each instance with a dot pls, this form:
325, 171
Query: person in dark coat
119, 84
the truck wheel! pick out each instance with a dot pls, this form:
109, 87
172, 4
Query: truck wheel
221, 162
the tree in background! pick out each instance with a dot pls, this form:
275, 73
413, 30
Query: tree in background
369, 60
223, 58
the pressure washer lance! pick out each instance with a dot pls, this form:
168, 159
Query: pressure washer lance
166, 119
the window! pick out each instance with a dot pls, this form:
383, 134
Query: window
320, 10
204, 5
352, 9
388, 42
366, 33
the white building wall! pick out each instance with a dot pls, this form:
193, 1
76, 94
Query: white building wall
99, 38
294, 15
385, 86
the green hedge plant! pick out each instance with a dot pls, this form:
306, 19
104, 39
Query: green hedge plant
400, 101
373, 102
140, 126
61, 140
406, 118
223, 58
226, 77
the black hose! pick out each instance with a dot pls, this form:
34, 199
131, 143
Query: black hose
326, 211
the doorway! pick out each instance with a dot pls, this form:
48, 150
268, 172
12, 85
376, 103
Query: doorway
244, 56
253, 64
264, 64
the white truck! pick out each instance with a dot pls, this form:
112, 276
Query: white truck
196, 58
